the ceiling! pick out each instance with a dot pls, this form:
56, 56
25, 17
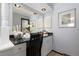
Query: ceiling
22, 10
39, 6
27, 9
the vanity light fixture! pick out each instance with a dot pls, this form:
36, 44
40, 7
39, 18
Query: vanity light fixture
43, 9
17, 5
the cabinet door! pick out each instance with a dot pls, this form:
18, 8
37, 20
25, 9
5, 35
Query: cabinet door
18, 50
8, 52
46, 46
49, 41
21, 53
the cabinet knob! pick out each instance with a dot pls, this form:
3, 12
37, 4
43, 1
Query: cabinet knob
19, 48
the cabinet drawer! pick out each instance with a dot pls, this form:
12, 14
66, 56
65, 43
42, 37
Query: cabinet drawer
8, 52
20, 47
21, 53
17, 50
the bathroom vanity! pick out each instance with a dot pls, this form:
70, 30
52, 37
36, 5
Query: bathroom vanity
20, 48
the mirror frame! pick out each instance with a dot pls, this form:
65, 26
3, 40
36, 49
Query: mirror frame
25, 20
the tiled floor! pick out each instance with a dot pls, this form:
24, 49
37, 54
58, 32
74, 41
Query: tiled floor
52, 53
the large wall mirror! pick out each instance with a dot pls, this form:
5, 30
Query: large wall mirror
38, 24
25, 25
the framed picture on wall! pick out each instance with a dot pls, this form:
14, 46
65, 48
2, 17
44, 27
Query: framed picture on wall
67, 18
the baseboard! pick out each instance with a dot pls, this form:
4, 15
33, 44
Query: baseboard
61, 53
